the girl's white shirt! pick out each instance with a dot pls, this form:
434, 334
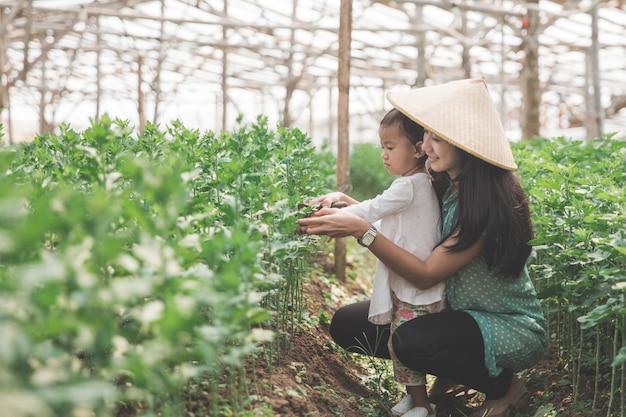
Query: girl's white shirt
408, 214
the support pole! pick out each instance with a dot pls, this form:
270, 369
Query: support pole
42, 99
330, 123
4, 76
531, 89
140, 96
225, 69
98, 70
466, 59
162, 52
596, 128
420, 81
343, 122
292, 81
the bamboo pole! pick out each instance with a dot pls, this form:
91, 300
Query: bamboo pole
27, 36
420, 81
343, 122
162, 53
502, 79
330, 123
140, 96
291, 81
42, 98
312, 91
466, 58
98, 68
531, 89
225, 71
4, 87
596, 128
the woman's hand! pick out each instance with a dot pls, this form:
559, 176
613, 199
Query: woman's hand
334, 223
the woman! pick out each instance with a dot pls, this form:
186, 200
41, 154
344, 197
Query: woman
494, 326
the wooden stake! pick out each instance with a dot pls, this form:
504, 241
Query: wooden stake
343, 139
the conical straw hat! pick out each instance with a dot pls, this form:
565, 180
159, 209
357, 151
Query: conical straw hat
462, 113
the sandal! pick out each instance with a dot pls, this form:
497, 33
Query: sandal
403, 406
421, 412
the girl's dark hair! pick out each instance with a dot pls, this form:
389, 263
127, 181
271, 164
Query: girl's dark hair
492, 202
410, 129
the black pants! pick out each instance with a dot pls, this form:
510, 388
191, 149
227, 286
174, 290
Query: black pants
448, 344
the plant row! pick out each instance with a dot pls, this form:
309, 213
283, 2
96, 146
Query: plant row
577, 193
132, 264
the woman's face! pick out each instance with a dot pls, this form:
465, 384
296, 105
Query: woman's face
399, 155
442, 156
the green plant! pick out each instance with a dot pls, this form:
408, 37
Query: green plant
368, 176
135, 268
578, 201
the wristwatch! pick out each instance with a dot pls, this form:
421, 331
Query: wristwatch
369, 236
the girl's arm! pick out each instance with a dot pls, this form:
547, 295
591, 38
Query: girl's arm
334, 197
423, 274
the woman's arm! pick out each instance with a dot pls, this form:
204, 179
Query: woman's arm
423, 274
439, 265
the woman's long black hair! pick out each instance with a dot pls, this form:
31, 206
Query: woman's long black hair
492, 202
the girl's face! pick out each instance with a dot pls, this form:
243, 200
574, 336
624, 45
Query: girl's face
442, 156
399, 155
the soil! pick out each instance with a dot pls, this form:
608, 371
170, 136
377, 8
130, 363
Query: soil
316, 378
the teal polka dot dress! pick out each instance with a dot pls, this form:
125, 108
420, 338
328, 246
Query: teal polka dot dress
508, 312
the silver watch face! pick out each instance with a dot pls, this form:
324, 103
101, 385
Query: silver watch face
368, 238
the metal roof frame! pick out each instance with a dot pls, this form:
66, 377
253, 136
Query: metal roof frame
206, 61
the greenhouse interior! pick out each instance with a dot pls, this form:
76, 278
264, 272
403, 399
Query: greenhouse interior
553, 67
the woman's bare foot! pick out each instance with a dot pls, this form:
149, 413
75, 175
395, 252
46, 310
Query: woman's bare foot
514, 397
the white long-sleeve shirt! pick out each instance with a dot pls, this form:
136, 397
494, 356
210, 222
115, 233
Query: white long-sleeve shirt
409, 216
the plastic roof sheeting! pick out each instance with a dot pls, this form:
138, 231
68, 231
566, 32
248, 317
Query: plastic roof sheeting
77, 59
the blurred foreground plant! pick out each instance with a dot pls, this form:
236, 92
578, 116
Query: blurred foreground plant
130, 265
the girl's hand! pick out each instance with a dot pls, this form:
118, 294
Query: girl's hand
330, 198
334, 223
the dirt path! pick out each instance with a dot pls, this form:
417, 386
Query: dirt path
315, 378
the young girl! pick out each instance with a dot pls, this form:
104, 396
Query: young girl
494, 326
409, 215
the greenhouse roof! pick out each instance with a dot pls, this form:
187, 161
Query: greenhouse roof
159, 60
